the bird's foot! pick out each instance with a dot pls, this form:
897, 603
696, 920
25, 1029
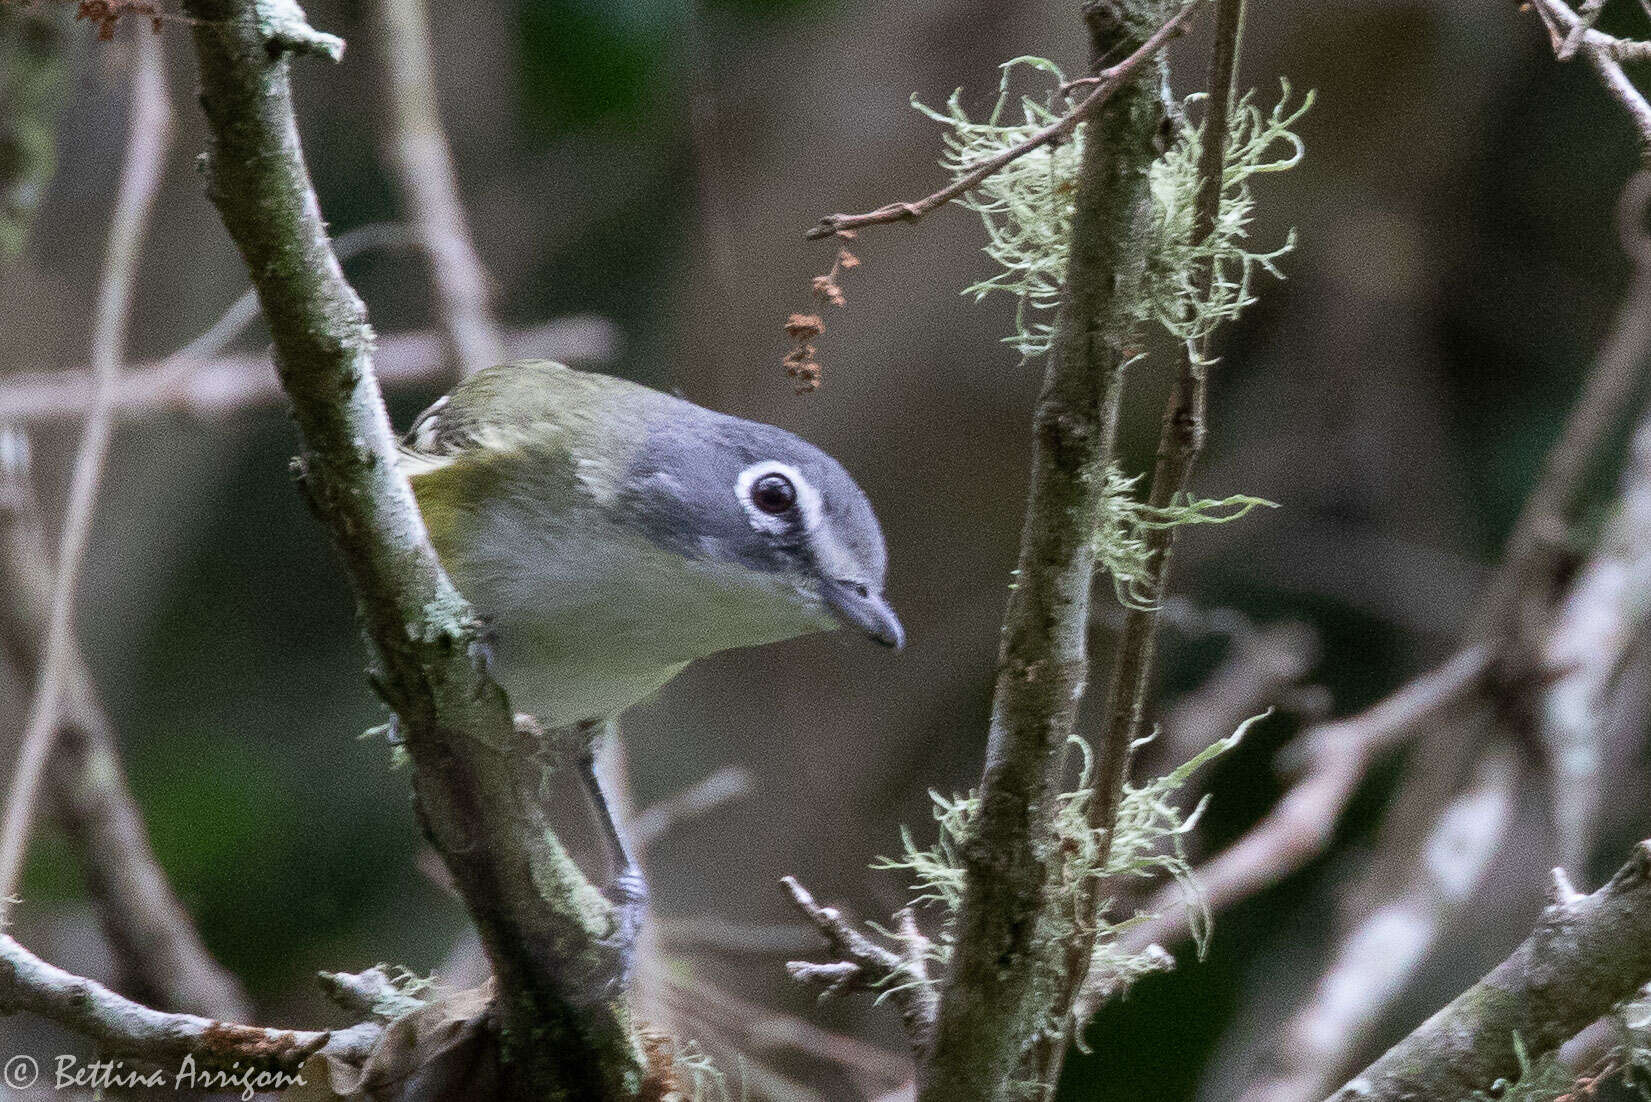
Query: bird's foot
484, 649
628, 892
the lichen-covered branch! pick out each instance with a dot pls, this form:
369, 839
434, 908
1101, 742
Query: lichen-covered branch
1588, 953
564, 1024
1180, 443
123, 1027
1001, 982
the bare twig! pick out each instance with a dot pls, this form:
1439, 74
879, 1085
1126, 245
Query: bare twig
1571, 32
148, 139
1106, 84
1587, 16
219, 385
1587, 954
126, 1028
422, 167
863, 965
730, 783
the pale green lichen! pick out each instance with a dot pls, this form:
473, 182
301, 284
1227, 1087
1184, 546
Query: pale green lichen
1027, 210
1123, 522
1027, 207
1147, 842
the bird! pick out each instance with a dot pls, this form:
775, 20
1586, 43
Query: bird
608, 534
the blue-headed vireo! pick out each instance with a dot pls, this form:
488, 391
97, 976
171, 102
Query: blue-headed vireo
610, 534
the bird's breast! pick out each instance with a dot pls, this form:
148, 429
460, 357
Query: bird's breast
590, 617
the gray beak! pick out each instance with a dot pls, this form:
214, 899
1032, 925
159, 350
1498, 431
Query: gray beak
857, 607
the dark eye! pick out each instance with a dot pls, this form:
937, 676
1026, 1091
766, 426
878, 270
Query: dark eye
773, 493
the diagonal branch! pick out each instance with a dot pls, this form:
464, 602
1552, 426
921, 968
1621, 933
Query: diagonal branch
564, 1026
1588, 953
1106, 84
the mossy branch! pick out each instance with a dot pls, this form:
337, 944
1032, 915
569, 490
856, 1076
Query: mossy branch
1000, 985
1180, 443
564, 1025
1587, 954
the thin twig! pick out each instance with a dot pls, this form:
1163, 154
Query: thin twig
1107, 82
730, 783
124, 1027
220, 385
148, 139
1605, 53
1180, 443
863, 965
422, 166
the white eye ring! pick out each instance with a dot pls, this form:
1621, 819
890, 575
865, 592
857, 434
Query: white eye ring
808, 498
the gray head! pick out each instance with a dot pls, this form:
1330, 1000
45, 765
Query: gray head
750, 495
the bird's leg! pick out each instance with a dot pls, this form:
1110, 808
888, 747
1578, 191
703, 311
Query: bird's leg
629, 888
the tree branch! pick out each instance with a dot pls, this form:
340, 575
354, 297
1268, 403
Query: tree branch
1001, 982
1587, 954
215, 385
422, 167
127, 1028
564, 1029
1571, 33
1106, 84
1464, 750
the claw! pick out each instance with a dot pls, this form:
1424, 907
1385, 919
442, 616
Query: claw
483, 651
